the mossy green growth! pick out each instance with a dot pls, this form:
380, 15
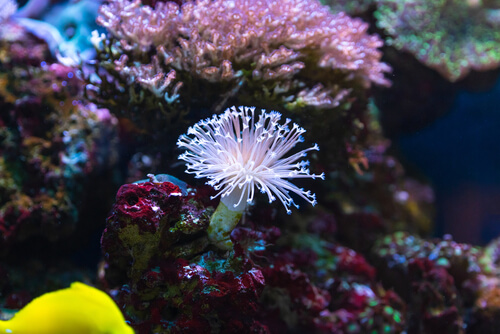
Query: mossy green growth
450, 36
222, 223
142, 245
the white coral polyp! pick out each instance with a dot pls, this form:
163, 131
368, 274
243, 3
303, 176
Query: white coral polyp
238, 152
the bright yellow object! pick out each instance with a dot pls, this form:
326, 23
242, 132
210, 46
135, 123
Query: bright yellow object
79, 309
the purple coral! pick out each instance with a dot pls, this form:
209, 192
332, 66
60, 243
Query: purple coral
272, 34
240, 41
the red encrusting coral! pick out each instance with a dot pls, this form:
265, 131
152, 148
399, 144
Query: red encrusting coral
439, 279
173, 280
170, 279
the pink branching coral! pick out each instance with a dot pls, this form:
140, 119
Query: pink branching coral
241, 41
204, 36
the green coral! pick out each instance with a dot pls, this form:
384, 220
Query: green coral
451, 36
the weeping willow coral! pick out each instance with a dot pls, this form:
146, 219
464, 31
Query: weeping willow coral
239, 151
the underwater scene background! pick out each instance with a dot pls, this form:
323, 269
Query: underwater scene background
251, 166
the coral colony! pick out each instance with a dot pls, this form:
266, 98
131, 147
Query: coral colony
286, 54
180, 256
239, 151
453, 37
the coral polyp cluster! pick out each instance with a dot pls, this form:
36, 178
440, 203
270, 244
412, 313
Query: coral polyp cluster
216, 40
293, 53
